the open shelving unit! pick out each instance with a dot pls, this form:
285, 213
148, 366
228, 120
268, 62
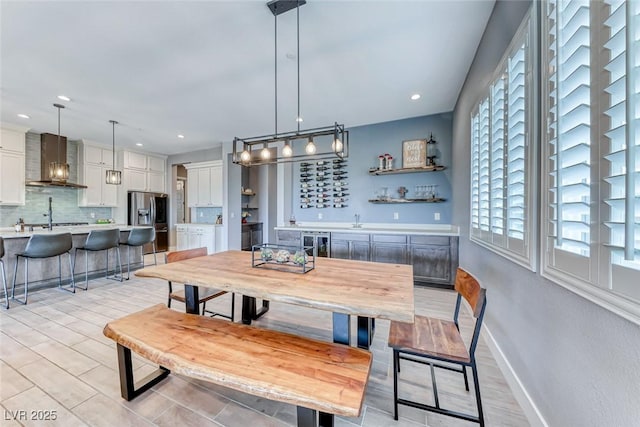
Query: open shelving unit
388, 201
375, 171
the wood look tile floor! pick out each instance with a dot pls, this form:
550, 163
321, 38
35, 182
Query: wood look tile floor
53, 357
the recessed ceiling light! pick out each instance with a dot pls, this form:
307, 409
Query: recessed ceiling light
23, 116
139, 144
415, 96
181, 136
64, 98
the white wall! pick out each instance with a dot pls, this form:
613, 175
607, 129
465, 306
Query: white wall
579, 362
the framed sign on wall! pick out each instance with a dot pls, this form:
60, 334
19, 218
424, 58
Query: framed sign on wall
414, 153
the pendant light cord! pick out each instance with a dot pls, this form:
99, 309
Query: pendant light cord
58, 155
298, 57
113, 146
275, 62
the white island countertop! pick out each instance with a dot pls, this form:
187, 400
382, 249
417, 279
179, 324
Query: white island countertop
10, 233
370, 228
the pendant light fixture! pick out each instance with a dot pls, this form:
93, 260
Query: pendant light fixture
313, 144
114, 176
59, 171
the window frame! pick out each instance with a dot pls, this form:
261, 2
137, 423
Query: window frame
598, 287
526, 255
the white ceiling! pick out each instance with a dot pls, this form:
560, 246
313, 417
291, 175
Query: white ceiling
205, 69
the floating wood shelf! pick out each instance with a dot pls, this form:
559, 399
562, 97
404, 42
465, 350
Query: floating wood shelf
432, 200
405, 170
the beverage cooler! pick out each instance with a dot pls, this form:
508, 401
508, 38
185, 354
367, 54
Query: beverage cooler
319, 240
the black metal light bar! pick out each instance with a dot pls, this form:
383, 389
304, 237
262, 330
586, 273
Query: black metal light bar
339, 146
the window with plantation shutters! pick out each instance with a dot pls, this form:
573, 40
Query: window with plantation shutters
501, 159
591, 206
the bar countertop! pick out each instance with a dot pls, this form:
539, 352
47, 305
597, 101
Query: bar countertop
10, 233
374, 228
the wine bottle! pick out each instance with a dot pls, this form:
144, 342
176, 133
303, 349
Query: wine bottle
322, 184
339, 205
340, 199
306, 179
305, 206
322, 168
339, 172
340, 194
321, 206
305, 175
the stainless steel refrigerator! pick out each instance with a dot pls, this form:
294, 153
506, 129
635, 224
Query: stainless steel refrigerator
150, 209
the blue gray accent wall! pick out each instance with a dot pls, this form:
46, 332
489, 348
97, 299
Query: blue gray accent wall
577, 361
365, 144
65, 200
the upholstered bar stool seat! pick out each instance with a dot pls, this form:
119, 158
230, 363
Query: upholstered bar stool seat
99, 240
44, 246
139, 236
2, 273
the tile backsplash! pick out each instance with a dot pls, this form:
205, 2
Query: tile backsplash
205, 215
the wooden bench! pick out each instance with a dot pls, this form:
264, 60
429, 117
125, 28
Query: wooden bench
320, 378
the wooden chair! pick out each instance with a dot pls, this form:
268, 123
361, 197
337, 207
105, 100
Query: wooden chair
429, 340
205, 294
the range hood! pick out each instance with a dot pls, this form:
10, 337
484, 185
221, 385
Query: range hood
49, 153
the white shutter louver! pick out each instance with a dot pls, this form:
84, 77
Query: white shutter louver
569, 126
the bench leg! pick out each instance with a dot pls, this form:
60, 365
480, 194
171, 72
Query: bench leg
312, 418
128, 389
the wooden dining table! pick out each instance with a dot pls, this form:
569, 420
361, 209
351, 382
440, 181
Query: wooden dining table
368, 290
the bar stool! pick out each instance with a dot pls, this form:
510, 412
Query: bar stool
4, 276
44, 246
139, 236
99, 240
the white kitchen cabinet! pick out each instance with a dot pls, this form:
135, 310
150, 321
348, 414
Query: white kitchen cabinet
12, 167
144, 172
205, 184
12, 140
155, 182
133, 160
95, 155
191, 236
12, 178
182, 237
93, 163
202, 237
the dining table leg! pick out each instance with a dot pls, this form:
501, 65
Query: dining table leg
248, 309
192, 298
341, 329
365, 332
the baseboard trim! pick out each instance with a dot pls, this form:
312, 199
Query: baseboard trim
529, 408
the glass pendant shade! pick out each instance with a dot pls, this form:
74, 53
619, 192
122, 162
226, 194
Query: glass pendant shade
287, 151
58, 171
337, 146
310, 148
114, 177
265, 154
245, 156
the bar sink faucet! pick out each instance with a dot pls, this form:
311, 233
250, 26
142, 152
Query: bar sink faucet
357, 224
49, 214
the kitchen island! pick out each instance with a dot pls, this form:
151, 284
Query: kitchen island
44, 272
431, 249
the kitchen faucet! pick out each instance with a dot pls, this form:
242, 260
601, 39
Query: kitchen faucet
357, 224
50, 224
